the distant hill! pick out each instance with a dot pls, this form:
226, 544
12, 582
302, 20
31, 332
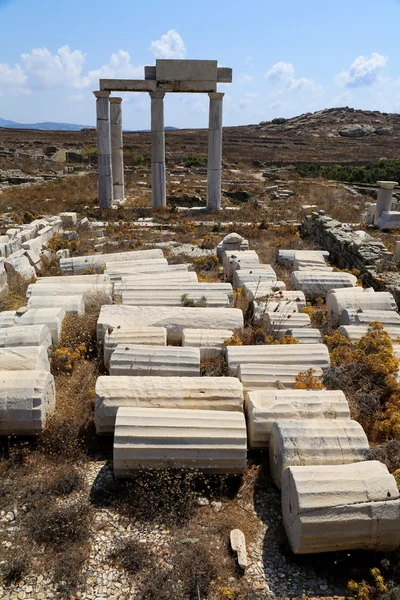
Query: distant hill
47, 125
50, 126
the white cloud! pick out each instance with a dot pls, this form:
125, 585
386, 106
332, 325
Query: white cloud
49, 71
12, 76
244, 78
118, 67
364, 71
281, 71
301, 84
40, 69
283, 75
170, 45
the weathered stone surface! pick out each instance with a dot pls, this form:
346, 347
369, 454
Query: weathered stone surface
263, 292
167, 297
149, 336
316, 284
19, 263
316, 355
305, 335
3, 276
355, 317
238, 545
232, 242
314, 442
208, 393
73, 279
243, 276
277, 323
103, 290
354, 333
287, 257
265, 407
175, 319
161, 361
71, 304
211, 342
186, 70
230, 260
51, 317
27, 398
345, 507
358, 299
7, 318
24, 358
261, 376
29, 335
152, 290
97, 262
134, 279
207, 440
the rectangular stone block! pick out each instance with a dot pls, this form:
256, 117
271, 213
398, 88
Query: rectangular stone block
159, 361
340, 508
191, 393
174, 318
186, 70
157, 438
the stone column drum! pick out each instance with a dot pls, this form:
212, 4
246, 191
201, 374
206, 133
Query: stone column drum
385, 196
214, 152
104, 149
117, 153
158, 196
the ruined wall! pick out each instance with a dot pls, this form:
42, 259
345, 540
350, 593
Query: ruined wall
350, 249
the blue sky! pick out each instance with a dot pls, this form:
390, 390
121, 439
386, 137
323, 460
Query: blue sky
288, 57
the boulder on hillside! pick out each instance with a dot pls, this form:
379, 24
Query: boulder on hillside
356, 130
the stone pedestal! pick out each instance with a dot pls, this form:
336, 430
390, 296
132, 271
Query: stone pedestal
117, 155
158, 196
385, 197
214, 152
104, 149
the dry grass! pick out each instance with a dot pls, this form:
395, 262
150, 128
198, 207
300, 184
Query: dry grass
70, 431
15, 296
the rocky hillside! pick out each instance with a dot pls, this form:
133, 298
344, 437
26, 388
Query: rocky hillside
337, 122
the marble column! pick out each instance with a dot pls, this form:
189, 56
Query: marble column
117, 152
214, 152
385, 197
158, 188
104, 149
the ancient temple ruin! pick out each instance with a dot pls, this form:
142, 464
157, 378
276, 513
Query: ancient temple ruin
187, 76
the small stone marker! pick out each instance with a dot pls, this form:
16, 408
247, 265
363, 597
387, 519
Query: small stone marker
238, 545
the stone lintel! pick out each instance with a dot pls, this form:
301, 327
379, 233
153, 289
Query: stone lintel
101, 94
191, 87
128, 85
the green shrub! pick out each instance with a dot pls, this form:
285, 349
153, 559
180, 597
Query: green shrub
195, 161
384, 170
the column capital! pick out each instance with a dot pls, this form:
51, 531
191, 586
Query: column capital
156, 95
216, 95
387, 185
115, 100
102, 94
